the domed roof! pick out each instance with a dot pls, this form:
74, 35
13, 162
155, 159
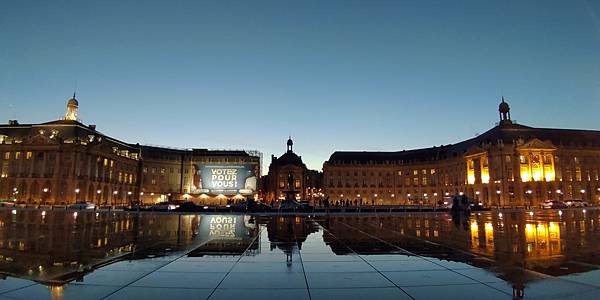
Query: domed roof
289, 158
73, 101
503, 107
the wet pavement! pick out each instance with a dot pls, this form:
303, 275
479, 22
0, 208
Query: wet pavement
492, 255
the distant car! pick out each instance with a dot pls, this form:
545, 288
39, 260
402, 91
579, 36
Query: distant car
189, 206
576, 203
7, 203
165, 206
83, 205
553, 204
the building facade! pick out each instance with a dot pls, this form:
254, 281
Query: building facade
65, 161
509, 165
307, 183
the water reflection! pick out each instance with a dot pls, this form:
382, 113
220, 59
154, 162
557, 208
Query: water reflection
56, 247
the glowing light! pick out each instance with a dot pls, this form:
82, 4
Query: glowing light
584, 211
43, 212
531, 213
14, 211
471, 177
77, 191
525, 175
75, 215
488, 226
206, 207
474, 226
499, 215
485, 175
560, 212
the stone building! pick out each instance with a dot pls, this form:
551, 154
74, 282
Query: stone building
509, 165
307, 182
65, 161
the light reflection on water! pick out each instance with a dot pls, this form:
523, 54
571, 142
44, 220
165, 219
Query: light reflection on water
57, 247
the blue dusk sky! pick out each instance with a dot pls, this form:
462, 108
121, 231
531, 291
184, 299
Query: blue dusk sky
336, 75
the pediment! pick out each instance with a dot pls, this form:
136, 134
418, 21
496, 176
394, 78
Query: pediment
475, 151
537, 144
40, 139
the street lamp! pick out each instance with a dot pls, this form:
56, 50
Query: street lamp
45, 190
114, 196
498, 192
528, 194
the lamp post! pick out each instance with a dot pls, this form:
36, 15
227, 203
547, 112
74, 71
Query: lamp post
529, 197
498, 192
129, 197
77, 190
15, 194
45, 195
114, 196
99, 198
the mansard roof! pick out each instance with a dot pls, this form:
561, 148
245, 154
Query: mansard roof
501, 134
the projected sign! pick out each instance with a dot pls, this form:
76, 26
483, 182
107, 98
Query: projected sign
225, 179
225, 227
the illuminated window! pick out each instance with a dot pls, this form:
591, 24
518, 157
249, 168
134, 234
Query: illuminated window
424, 180
578, 173
523, 159
415, 172
470, 171
424, 172
432, 171
28, 155
105, 162
17, 155
145, 170
485, 170
7, 155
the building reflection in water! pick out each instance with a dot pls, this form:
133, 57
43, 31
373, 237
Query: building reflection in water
57, 247
546, 242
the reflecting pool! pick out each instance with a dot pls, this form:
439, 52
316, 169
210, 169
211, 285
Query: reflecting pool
119, 255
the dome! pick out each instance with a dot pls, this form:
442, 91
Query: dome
503, 107
73, 102
289, 158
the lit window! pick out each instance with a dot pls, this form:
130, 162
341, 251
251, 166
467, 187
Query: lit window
17, 155
28, 155
6, 155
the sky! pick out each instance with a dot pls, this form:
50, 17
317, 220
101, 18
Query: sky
335, 75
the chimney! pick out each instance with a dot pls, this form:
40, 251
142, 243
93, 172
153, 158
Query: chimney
92, 127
